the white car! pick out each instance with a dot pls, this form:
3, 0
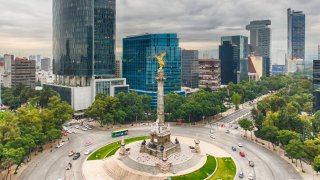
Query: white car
227, 131
240, 145
88, 152
212, 136
84, 129
250, 176
77, 126
59, 145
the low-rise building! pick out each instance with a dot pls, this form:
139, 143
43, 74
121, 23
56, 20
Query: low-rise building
209, 73
23, 72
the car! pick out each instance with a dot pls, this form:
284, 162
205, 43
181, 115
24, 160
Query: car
69, 131
71, 153
236, 127
241, 174
84, 129
76, 156
227, 131
88, 143
77, 126
250, 176
212, 136
242, 154
240, 145
211, 131
234, 148
88, 127
88, 152
251, 163
59, 145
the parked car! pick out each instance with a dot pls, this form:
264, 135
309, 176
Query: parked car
251, 163
241, 175
77, 126
227, 131
88, 152
240, 145
250, 176
59, 145
88, 143
84, 129
242, 154
234, 148
76, 156
71, 153
236, 127
212, 136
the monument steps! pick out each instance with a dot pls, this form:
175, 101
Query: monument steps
116, 172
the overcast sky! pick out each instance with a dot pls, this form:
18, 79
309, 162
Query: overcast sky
25, 25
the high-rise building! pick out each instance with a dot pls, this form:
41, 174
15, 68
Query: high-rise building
46, 64
241, 42
255, 67
140, 67
7, 62
296, 35
244, 69
260, 41
279, 69
23, 72
84, 51
118, 68
209, 74
83, 40
316, 85
318, 51
230, 63
190, 68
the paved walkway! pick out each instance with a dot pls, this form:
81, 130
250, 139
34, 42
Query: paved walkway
99, 169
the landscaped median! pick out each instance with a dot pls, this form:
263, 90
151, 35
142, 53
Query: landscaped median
226, 169
205, 171
112, 148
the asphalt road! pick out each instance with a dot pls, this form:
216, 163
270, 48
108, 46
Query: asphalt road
268, 166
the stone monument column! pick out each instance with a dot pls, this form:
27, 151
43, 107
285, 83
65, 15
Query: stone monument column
160, 109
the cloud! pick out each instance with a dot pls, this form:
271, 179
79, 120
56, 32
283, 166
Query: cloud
199, 23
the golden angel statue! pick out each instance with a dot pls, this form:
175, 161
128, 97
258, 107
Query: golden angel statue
160, 59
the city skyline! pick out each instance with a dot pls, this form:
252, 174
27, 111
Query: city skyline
26, 27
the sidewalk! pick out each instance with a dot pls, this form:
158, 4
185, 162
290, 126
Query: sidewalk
308, 173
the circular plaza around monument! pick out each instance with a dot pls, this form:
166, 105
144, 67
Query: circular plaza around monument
134, 164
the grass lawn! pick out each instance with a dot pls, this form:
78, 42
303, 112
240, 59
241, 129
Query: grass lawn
111, 149
206, 170
226, 169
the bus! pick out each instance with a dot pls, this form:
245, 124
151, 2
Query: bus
118, 133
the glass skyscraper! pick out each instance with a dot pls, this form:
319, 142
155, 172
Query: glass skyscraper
230, 63
140, 68
83, 40
296, 34
190, 68
260, 41
241, 42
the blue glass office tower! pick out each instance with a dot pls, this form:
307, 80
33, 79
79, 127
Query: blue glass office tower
296, 34
83, 40
230, 63
241, 42
140, 68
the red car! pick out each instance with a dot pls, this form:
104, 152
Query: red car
242, 154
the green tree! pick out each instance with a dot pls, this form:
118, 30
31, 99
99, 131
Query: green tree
316, 164
54, 134
9, 129
120, 116
270, 134
62, 111
295, 150
312, 148
108, 118
236, 99
173, 101
247, 125
12, 156
285, 136
29, 120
